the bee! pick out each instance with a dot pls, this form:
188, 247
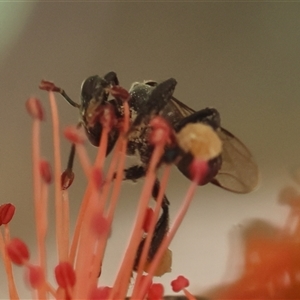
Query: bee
234, 169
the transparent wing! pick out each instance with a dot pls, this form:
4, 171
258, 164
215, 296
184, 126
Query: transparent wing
239, 172
175, 110
183, 108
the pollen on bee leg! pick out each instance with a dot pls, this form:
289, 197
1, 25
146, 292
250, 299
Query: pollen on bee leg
200, 140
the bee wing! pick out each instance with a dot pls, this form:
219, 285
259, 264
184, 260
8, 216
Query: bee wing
239, 172
176, 110
183, 108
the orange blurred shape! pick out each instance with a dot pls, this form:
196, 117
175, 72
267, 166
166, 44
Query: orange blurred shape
272, 265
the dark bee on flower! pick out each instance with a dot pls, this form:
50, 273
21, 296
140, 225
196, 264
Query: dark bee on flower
233, 169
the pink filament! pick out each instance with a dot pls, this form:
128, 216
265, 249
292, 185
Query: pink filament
166, 241
60, 222
146, 247
121, 282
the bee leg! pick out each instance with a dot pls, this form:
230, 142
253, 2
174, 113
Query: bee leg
50, 86
155, 191
209, 116
135, 172
69, 100
67, 176
162, 225
161, 229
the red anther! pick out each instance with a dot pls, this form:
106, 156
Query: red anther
148, 218
156, 291
100, 293
7, 211
99, 223
97, 177
67, 178
48, 86
35, 276
35, 108
119, 92
198, 170
179, 283
74, 135
17, 251
107, 116
45, 171
65, 275
161, 131
159, 122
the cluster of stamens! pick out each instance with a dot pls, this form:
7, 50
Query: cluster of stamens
80, 259
271, 267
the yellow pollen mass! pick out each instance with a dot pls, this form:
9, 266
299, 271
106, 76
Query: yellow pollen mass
200, 140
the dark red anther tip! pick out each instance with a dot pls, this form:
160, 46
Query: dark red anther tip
45, 171
17, 251
35, 108
67, 178
156, 291
99, 223
100, 293
119, 92
48, 86
198, 170
65, 275
97, 177
35, 276
161, 131
148, 219
74, 135
179, 283
7, 211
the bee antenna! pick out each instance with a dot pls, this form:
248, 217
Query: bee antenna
50, 86
68, 99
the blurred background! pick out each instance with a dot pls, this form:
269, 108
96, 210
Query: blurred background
241, 58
